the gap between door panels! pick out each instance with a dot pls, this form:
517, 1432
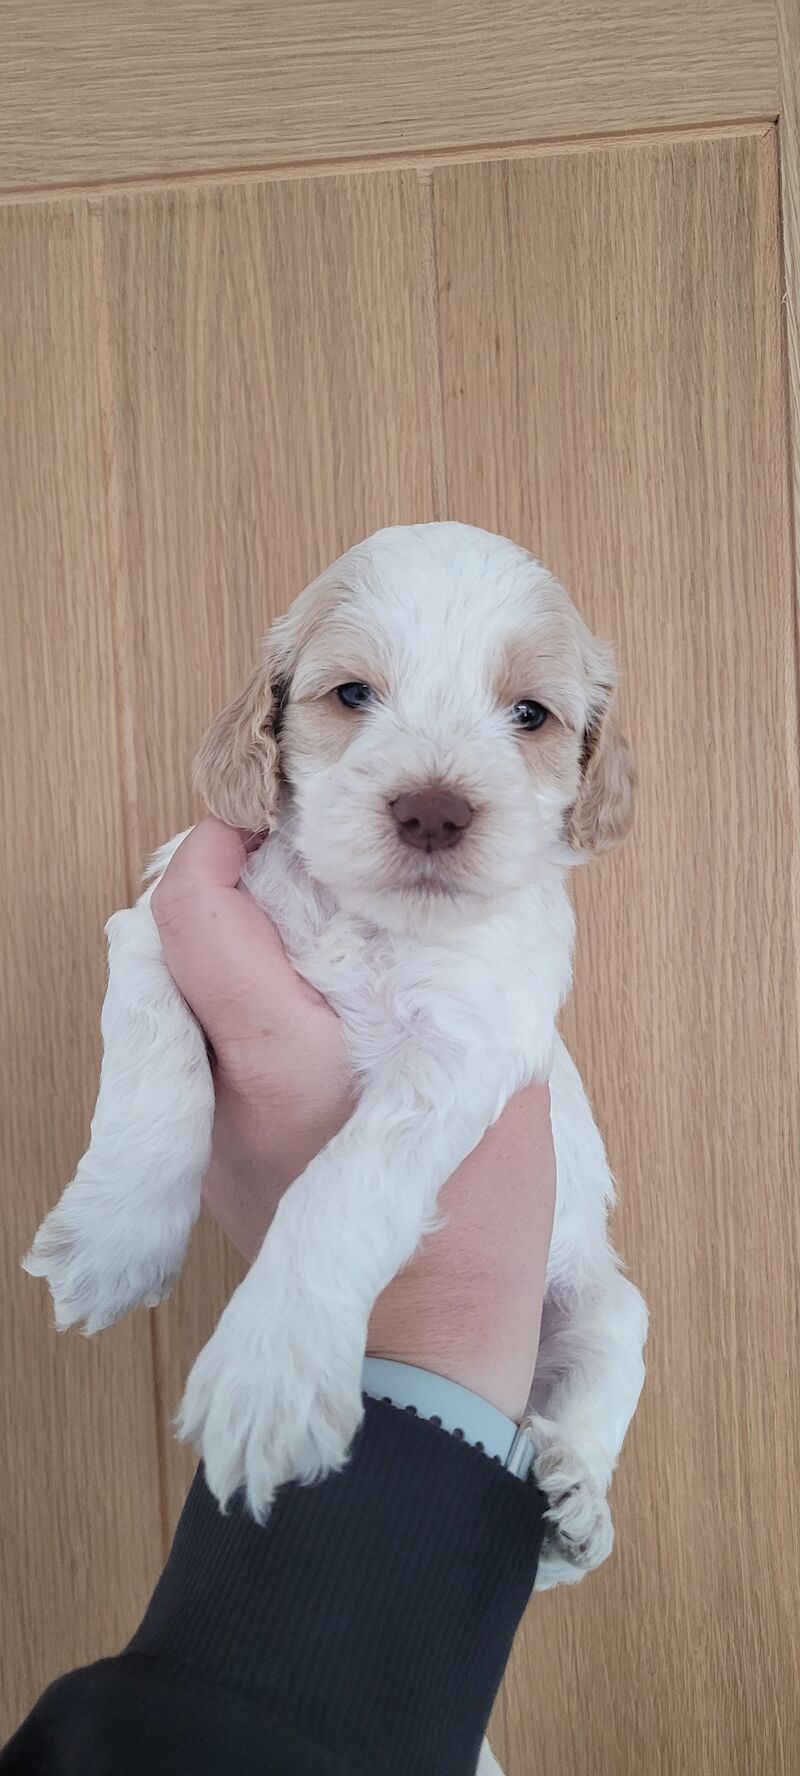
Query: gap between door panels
423, 159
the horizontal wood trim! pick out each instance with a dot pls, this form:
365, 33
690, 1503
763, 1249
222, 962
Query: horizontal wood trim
104, 91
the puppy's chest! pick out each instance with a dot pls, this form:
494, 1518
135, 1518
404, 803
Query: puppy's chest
461, 999
384, 992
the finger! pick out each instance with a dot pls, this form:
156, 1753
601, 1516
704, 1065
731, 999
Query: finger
222, 951
212, 853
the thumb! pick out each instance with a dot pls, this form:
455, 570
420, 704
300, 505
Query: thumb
224, 955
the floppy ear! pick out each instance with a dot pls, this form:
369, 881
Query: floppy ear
236, 770
602, 815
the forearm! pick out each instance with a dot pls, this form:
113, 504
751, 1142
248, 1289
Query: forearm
469, 1305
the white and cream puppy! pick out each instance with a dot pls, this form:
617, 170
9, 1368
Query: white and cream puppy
428, 738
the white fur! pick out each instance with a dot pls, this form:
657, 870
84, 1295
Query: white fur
448, 987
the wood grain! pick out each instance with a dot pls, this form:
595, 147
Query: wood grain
81, 1540
788, 20
103, 90
611, 350
270, 381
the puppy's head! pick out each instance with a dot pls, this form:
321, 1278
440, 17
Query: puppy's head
434, 719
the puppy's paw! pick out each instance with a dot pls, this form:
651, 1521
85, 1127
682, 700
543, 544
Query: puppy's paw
269, 1400
579, 1534
100, 1259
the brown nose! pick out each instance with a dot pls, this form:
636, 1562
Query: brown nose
431, 819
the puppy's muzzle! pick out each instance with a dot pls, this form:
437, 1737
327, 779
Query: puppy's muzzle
431, 819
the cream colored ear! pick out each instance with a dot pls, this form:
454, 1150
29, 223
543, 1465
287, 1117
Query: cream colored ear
603, 812
236, 770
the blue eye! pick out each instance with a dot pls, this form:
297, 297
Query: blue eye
529, 715
354, 695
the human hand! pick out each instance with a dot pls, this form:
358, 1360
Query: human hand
468, 1305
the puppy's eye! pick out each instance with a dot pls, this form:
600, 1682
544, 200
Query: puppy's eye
354, 695
529, 715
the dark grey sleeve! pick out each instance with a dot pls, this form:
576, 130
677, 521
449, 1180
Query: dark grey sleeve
364, 1630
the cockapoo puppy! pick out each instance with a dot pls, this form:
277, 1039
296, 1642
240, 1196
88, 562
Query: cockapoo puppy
428, 738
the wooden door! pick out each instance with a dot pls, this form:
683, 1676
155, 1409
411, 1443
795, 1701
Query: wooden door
271, 277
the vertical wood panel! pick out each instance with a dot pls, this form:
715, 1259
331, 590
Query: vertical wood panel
81, 1536
271, 384
788, 21
610, 339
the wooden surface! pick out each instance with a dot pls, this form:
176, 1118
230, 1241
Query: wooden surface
788, 20
208, 390
619, 404
80, 1538
103, 90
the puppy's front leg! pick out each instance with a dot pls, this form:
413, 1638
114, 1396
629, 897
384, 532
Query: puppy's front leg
276, 1393
119, 1233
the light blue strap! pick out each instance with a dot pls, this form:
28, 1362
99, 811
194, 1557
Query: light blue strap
456, 1408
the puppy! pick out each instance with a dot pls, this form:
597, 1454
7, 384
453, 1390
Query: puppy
428, 738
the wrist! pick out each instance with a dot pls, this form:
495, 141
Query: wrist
464, 1345
459, 1411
